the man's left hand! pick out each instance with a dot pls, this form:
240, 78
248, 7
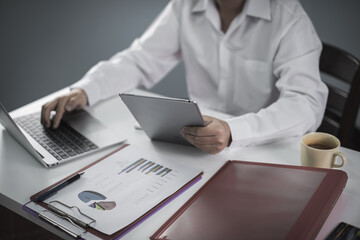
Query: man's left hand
212, 138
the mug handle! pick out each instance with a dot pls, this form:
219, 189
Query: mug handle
343, 160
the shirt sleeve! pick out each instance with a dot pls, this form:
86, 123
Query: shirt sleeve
144, 63
301, 103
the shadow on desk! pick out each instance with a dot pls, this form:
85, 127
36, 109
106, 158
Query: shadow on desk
16, 227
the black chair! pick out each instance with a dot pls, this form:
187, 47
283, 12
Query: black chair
342, 106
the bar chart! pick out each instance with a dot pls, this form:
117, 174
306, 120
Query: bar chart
146, 167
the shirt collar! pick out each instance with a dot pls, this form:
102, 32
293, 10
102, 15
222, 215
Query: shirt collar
256, 8
199, 6
259, 8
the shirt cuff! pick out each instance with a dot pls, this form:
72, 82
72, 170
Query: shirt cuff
241, 133
91, 88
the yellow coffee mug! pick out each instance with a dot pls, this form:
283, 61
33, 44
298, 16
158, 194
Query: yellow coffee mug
321, 150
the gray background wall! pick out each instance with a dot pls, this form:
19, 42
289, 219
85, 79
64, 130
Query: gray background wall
46, 45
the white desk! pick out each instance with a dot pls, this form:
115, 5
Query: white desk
21, 175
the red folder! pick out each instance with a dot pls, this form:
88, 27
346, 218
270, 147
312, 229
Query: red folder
246, 200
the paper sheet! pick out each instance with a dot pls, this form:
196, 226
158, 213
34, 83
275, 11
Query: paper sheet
124, 186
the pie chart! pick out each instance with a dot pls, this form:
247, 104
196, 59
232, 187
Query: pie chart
103, 205
87, 196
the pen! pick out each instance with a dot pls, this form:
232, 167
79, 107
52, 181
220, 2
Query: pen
54, 190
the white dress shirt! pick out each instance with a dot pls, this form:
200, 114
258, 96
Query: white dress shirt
264, 70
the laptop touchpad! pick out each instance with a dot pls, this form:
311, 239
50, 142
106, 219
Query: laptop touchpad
83, 122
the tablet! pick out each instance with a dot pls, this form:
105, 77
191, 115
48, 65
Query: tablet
163, 118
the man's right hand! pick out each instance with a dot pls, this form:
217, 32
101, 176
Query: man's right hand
76, 99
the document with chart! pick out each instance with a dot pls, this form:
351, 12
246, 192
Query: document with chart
123, 187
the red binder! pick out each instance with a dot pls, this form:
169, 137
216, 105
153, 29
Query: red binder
246, 200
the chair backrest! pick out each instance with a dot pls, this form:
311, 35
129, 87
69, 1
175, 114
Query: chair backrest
342, 106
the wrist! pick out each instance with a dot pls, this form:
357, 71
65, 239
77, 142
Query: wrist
228, 133
83, 95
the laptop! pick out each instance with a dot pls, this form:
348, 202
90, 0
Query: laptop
79, 134
163, 118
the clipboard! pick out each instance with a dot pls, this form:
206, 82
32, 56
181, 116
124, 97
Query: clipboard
77, 224
246, 200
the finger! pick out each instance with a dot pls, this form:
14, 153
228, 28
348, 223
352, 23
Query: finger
207, 120
198, 131
210, 148
211, 144
208, 143
46, 110
60, 109
200, 140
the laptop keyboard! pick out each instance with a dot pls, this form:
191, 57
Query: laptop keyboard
62, 143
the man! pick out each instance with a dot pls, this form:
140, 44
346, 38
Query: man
254, 59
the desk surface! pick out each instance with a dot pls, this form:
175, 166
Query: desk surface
21, 175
